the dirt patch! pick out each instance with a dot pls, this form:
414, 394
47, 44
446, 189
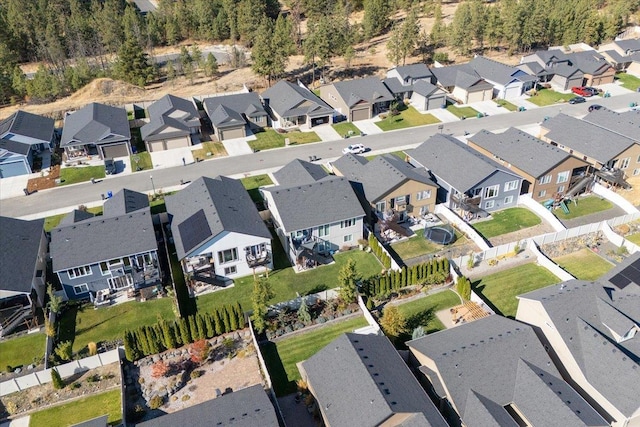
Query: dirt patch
37, 398
632, 195
519, 235
45, 181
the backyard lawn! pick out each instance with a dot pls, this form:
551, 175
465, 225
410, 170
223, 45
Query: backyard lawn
499, 290
419, 245
584, 206
52, 222
75, 174
462, 112
628, 81
634, 238
272, 139
506, 104
422, 312
281, 357
253, 183
549, 96
215, 148
345, 127
81, 410
507, 221
406, 118
143, 162
22, 351
584, 264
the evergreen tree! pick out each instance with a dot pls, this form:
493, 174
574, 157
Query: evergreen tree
211, 65
460, 34
233, 319
193, 329
348, 278
169, 335
131, 350
56, 379
240, 314
185, 336
226, 320
210, 328
376, 17
262, 294
303, 312
200, 326
217, 323
132, 64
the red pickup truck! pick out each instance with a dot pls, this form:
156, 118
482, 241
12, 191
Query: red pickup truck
582, 91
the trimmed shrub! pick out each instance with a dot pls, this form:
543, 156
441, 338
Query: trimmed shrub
56, 379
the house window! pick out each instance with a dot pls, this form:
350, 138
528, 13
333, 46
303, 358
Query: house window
85, 270
423, 195
492, 191
142, 260
508, 200
489, 204
256, 251
230, 270
323, 230
401, 200
80, 289
104, 267
476, 192
638, 161
561, 189
348, 223
120, 281
545, 180
542, 193
511, 185
625, 163
228, 255
381, 206
636, 172
347, 238
562, 177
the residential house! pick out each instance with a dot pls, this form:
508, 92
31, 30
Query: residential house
174, 123
481, 185
299, 171
626, 124
96, 130
591, 331
634, 66
547, 170
463, 83
358, 99
415, 83
585, 140
508, 82
115, 251
247, 407
23, 262
495, 372
23, 136
236, 116
388, 185
361, 380
293, 105
621, 53
314, 218
218, 232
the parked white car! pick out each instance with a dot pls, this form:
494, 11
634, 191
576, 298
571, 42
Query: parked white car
354, 149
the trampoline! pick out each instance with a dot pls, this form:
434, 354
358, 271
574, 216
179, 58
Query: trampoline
443, 234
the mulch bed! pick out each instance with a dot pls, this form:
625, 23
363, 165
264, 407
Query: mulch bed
44, 182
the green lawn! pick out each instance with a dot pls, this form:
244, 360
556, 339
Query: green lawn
215, 148
52, 222
506, 104
272, 139
345, 127
422, 312
585, 206
634, 238
460, 112
253, 183
75, 174
81, 410
419, 245
144, 161
584, 264
408, 117
506, 221
628, 81
281, 357
499, 290
22, 350
549, 96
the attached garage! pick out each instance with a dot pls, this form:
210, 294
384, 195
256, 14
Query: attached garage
478, 96
360, 114
231, 133
513, 91
178, 143
116, 150
155, 146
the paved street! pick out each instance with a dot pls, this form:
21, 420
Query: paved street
74, 195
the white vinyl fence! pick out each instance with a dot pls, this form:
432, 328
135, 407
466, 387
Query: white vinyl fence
461, 225
544, 213
614, 198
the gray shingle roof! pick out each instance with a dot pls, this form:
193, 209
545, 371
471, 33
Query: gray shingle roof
19, 254
74, 216
626, 124
380, 175
249, 407
170, 112
424, 88
468, 358
27, 124
368, 89
95, 124
567, 64
413, 71
497, 71
522, 150
461, 75
586, 138
289, 100
235, 106
225, 206
440, 153
16, 147
125, 201
395, 86
361, 380
312, 204
299, 172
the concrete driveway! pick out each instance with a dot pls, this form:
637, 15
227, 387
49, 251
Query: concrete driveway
171, 158
614, 89
368, 127
489, 108
325, 132
443, 115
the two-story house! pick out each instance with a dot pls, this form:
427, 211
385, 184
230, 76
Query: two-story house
174, 123
508, 82
23, 137
415, 82
621, 53
115, 251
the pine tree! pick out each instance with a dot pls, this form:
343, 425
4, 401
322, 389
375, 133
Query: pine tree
211, 65
193, 330
185, 335
240, 315
56, 379
348, 278
233, 319
133, 64
210, 328
217, 323
376, 17
226, 320
262, 294
200, 326
303, 312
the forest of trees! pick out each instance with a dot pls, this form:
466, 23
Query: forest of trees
88, 34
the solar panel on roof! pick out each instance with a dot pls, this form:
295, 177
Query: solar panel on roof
620, 281
194, 230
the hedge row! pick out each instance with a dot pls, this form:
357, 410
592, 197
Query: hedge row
375, 246
168, 334
430, 272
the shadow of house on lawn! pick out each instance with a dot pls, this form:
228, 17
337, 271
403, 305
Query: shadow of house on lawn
477, 287
281, 384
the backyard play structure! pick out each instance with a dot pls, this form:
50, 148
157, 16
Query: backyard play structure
443, 234
562, 200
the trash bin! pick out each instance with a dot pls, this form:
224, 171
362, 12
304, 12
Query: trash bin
109, 194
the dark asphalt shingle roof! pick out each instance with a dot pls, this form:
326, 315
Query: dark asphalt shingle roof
125, 201
15, 146
312, 204
468, 358
28, 124
299, 172
19, 254
368, 89
442, 153
413, 71
222, 203
522, 150
461, 75
626, 124
249, 407
289, 100
425, 88
586, 138
234, 107
74, 216
497, 71
395, 86
170, 112
361, 380
95, 124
